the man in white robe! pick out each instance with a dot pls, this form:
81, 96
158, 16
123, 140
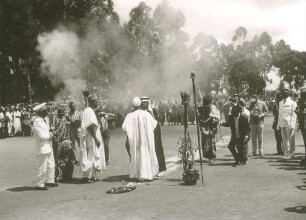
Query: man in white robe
139, 126
17, 121
91, 144
9, 117
45, 166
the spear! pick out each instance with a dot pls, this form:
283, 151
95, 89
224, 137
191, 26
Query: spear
193, 76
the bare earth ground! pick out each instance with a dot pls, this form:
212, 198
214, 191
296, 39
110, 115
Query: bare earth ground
266, 188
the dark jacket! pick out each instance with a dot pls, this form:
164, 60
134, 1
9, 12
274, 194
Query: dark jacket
243, 126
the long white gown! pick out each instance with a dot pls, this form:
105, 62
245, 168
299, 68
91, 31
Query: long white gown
92, 158
9, 123
139, 126
16, 122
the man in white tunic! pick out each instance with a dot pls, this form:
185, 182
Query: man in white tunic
45, 166
287, 123
9, 117
91, 144
16, 121
139, 126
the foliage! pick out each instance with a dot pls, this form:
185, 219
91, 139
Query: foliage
152, 41
191, 176
186, 153
290, 63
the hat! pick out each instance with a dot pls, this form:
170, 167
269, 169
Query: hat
92, 98
144, 99
66, 143
40, 107
136, 101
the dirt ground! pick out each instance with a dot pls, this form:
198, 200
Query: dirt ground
265, 188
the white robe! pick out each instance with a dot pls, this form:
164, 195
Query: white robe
139, 126
9, 123
16, 121
92, 158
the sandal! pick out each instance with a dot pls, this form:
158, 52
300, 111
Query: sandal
87, 180
95, 179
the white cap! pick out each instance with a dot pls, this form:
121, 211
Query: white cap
40, 107
136, 101
145, 99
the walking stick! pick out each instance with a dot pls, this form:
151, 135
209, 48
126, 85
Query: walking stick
193, 76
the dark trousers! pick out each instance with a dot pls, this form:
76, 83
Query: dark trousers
106, 140
303, 131
159, 149
238, 149
279, 141
1, 132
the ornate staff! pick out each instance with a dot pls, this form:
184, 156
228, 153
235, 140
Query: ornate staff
193, 76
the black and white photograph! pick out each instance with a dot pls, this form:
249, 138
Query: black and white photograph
153, 109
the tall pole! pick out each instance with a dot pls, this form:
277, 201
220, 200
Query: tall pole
29, 81
193, 76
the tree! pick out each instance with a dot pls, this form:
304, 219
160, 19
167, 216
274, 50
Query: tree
290, 63
141, 29
239, 36
247, 63
205, 50
19, 29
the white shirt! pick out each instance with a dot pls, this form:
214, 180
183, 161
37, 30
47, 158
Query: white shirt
287, 117
246, 113
1, 120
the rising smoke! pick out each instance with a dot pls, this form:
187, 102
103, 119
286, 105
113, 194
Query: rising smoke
67, 59
63, 62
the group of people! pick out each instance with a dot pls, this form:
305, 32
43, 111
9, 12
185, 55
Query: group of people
246, 121
15, 121
57, 139
66, 137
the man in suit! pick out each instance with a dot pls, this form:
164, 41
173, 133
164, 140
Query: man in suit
45, 167
240, 135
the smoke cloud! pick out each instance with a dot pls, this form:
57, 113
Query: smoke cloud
120, 72
62, 60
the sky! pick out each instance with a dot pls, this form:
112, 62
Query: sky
282, 19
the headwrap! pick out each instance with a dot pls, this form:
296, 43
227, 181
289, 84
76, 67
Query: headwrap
136, 102
146, 99
40, 107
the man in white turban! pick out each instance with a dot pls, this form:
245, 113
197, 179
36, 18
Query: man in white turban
139, 126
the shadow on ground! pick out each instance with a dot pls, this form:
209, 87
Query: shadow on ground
22, 189
296, 209
118, 178
291, 164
